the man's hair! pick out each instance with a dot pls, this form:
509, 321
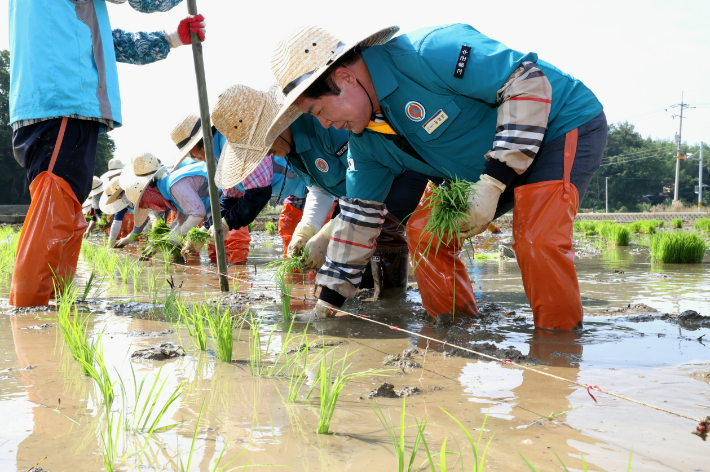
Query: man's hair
325, 85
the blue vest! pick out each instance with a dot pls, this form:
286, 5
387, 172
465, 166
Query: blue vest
165, 184
322, 154
62, 60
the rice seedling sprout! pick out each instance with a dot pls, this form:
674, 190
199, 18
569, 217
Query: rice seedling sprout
615, 234
222, 326
677, 223
475, 448
702, 224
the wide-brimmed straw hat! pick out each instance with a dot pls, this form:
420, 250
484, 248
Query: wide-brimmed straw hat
135, 179
115, 167
186, 134
243, 115
113, 200
97, 186
86, 206
302, 57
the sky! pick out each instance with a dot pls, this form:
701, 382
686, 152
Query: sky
638, 57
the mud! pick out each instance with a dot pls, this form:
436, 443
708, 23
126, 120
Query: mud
386, 390
490, 349
40, 327
316, 345
159, 352
149, 334
403, 361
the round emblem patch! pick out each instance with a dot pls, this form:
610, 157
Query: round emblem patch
322, 165
415, 111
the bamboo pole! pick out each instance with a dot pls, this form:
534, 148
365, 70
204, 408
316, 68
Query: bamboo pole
209, 151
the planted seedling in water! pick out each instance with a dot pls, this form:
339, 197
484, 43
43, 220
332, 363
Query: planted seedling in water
475, 448
222, 326
284, 269
270, 228
678, 248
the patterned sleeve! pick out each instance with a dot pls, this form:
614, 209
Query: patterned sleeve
140, 48
151, 6
261, 176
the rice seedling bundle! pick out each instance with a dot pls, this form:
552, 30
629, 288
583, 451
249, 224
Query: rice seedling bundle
677, 247
644, 227
448, 205
702, 224
270, 228
284, 268
615, 234
677, 223
197, 236
251, 227
159, 230
103, 223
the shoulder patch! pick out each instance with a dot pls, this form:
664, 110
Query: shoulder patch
461, 62
342, 150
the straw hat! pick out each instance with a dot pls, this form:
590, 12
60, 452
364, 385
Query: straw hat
243, 116
113, 200
186, 134
86, 206
115, 166
304, 56
97, 186
135, 178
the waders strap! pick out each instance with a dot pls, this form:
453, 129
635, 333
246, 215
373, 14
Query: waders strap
60, 138
570, 151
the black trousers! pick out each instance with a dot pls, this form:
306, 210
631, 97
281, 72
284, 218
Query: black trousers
405, 193
33, 146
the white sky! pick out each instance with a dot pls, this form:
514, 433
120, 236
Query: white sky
636, 56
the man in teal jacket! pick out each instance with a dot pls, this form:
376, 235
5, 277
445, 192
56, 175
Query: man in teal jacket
63, 92
451, 102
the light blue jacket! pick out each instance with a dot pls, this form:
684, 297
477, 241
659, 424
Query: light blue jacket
321, 159
419, 70
165, 184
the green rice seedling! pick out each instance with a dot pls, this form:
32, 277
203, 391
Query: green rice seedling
257, 364
678, 248
125, 267
251, 227
197, 236
332, 380
399, 442
171, 300
645, 227
486, 256
585, 226
159, 230
702, 224
222, 326
615, 234
152, 287
658, 223
73, 326
270, 228
298, 374
475, 448
285, 288
564, 467
193, 322
95, 368
136, 273
91, 283
677, 223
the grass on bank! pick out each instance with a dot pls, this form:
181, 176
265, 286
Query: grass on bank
677, 248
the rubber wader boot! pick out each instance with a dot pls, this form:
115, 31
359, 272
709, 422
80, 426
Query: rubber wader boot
390, 261
543, 216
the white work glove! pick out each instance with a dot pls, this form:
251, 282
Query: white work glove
125, 241
321, 311
115, 230
225, 228
482, 202
303, 233
191, 248
317, 247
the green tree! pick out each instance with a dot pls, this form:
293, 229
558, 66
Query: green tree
14, 187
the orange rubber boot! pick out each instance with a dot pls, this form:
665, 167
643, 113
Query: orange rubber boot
442, 273
289, 218
543, 216
237, 244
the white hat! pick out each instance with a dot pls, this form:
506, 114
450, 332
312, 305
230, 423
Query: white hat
86, 206
113, 200
135, 178
243, 115
115, 166
116, 1
304, 56
97, 186
186, 134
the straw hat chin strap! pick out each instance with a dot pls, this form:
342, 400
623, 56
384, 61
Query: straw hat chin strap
248, 147
298, 80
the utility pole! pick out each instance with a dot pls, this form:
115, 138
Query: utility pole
700, 178
682, 106
606, 192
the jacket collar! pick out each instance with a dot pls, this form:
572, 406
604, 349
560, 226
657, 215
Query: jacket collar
383, 79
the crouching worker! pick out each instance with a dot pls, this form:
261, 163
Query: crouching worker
149, 187
97, 189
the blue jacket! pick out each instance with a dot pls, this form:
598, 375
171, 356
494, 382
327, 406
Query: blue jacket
420, 67
165, 184
63, 61
321, 155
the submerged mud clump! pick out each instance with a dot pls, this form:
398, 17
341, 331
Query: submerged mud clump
491, 350
316, 345
241, 301
404, 360
39, 327
690, 319
159, 352
386, 390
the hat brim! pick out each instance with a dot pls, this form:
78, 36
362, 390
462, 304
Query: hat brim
97, 191
185, 150
140, 214
106, 176
286, 113
116, 203
235, 164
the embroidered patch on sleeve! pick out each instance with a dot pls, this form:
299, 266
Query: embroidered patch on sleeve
462, 61
342, 150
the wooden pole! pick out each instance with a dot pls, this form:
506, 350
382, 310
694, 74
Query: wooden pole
209, 151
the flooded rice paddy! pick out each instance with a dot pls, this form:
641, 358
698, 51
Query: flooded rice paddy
633, 343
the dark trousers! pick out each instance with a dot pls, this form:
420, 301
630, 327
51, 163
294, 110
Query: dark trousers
405, 193
33, 146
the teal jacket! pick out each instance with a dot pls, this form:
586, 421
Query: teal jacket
320, 155
165, 184
417, 78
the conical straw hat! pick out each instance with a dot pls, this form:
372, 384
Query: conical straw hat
186, 134
243, 115
97, 186
115, 166
302, 57
112, 200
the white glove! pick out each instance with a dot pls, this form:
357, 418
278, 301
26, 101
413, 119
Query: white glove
225, 228
317, 247
303, 233
321, 311
191, 248
482, 205
125, 241
115, 230
175, 236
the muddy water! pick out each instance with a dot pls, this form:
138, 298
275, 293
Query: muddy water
633, 351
